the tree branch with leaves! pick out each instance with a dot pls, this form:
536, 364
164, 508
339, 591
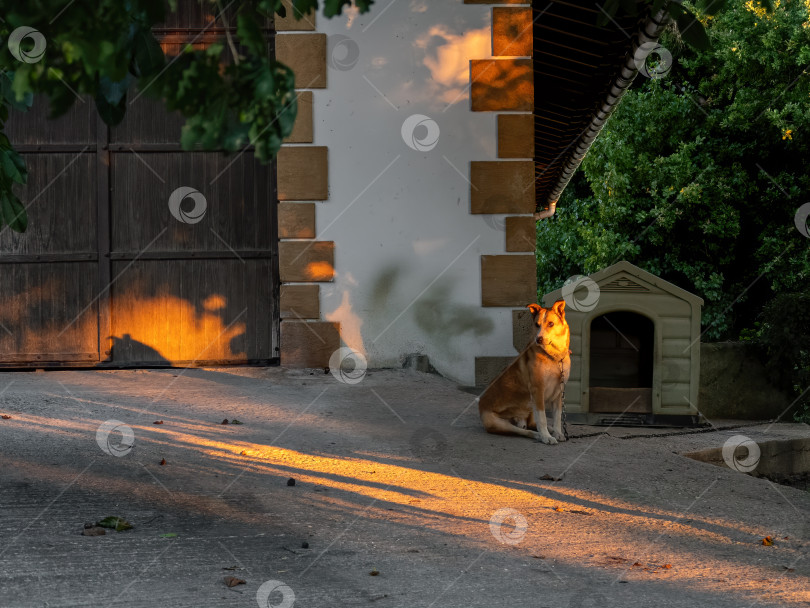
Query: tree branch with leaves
106, 50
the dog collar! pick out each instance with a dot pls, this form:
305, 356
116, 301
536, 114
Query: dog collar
548, 354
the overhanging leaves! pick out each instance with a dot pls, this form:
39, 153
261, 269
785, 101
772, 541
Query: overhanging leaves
692, 31
690, 28
149, 57
102, 50
13, 166
249, 32
111, 114
13, 211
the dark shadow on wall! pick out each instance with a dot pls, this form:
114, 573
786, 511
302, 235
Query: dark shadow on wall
127, 349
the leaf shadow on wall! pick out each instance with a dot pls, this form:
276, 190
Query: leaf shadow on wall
435, 312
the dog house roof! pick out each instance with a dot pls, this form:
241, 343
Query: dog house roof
604, 276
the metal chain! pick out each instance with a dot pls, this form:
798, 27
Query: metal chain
562, 400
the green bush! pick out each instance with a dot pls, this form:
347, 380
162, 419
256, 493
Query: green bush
697, 177
784, 341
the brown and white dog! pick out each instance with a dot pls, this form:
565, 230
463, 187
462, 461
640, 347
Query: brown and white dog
516, 400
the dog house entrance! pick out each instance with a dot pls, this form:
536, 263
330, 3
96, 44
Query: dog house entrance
621, 363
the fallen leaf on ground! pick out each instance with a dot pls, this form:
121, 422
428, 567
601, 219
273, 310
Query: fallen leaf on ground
580, 511
231, 568
637, 565
243, 453
116, 523
169, 535
559, 509
224, 421
158, 422
232, 581
162, 461
767, 541
5, 417
667, 566
789, 569
94, 531
374, 572
548, 477
235, 421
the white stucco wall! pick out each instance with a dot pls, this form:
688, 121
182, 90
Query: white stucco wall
407, 250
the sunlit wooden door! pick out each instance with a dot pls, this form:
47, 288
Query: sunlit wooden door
192, 278
139, 253
49, 279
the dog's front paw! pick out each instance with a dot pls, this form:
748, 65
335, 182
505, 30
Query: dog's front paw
558, 436
545, 438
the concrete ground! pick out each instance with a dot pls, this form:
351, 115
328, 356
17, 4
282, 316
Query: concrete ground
400, 500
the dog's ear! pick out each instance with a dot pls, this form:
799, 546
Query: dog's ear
559, 308
535, 308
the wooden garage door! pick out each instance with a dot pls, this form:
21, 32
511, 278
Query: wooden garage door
107, 273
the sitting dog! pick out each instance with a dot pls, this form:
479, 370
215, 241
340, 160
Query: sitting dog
516, 400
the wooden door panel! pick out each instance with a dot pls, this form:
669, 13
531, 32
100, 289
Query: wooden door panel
49, 312
97, 199
147, 122
49, 276
60, 198
238, 197
192, 311
77, 127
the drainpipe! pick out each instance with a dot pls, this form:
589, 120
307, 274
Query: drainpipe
650, 32
547, 212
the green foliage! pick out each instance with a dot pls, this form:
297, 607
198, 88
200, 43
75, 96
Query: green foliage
12, 165
688, 22
119, 524
784, 338
105, 50
697, 177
